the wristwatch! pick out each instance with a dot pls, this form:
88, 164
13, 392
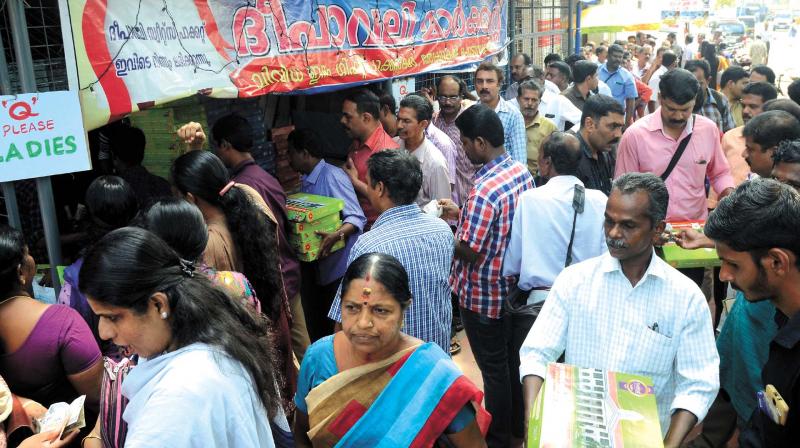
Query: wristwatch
341, 235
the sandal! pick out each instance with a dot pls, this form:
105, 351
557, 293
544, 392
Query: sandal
455, 346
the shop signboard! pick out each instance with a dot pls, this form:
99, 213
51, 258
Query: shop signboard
42, 135
132, 55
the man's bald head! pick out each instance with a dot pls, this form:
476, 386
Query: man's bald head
564, 152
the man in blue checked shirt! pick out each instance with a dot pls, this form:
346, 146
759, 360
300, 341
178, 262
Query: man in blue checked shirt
422, 243
488, 78
620, 81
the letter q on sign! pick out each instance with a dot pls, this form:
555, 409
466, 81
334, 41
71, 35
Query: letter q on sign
20, 110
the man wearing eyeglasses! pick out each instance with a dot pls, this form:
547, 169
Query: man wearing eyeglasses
451, 104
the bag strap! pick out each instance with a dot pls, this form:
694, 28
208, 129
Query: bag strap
578, 198
677, 156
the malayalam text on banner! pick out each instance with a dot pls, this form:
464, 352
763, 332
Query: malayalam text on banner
132, 55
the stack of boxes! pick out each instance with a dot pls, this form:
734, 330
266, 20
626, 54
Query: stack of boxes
163, 145
309, 214
160, 128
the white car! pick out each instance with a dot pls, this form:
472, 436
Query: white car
783, 21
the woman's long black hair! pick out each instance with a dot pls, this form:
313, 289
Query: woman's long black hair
127, 266
112, 204
203, 174
709, 52
179, 223
12, 255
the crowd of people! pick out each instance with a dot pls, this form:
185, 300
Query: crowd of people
531, 216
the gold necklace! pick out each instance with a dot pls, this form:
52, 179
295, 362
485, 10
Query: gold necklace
10, 299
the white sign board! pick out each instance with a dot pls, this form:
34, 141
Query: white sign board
42, 135
402, 87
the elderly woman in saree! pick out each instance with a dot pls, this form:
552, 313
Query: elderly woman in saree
370, 382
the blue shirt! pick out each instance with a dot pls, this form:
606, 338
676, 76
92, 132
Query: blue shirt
743, 345
424, 246
620, 82
515, 138
331, 181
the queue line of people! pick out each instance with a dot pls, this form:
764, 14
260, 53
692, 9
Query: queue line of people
180, 303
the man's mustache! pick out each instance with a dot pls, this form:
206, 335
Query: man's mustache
615, 243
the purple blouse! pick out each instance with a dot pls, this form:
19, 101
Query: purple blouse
60, 344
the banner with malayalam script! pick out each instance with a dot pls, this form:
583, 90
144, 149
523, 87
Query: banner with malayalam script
132, 55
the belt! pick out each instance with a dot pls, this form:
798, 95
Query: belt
541, 288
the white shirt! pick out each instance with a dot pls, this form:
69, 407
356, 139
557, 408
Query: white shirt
435, 175
601, 321
557, 108
653, 83
689, 53
551, 87
541, 229
603, 89
195, 396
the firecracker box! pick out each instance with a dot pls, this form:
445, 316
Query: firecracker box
304, 207
580, 407
681, 258
309, 251
298, 228
309, 233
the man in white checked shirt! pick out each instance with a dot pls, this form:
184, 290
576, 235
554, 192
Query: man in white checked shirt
629, 311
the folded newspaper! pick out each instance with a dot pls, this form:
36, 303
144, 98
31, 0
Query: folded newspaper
62, 417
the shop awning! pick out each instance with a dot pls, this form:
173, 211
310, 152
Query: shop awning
617, 18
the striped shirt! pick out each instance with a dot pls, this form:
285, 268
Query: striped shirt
660, 328
515, 140
465, 170
424, 246
485, 225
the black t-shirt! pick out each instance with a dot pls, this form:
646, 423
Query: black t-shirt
783, 372
598, 173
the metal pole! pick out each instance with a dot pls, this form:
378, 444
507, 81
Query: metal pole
578, 12
5, 79
19, 36
9, 195
10, 198
569, 27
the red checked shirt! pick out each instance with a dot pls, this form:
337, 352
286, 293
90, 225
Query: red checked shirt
360, 152
485, 225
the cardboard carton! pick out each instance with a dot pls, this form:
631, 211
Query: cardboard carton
580, 407
681, 258
303, 207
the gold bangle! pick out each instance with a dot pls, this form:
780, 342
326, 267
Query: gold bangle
90, 436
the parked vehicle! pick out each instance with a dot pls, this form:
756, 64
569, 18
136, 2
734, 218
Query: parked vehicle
733, 31
749, 23
783, 21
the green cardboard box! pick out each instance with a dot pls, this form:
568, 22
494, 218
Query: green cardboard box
580, 407
309, 235
681, 258
310, 251
299, 228
303, 207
